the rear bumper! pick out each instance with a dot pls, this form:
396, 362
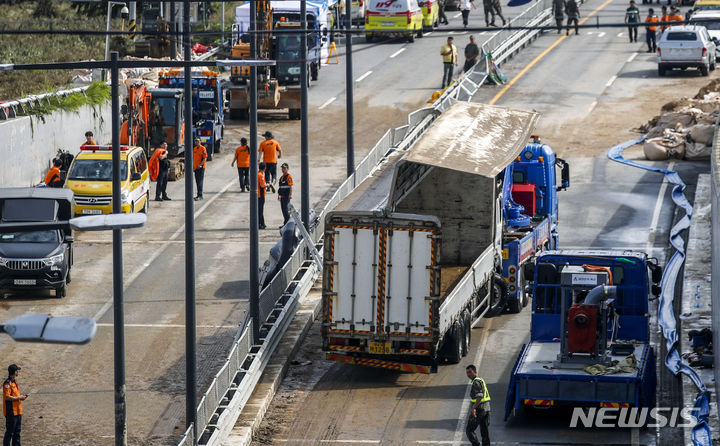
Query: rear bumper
380, 363
682, 64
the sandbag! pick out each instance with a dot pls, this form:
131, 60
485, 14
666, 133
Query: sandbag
697, 151
658, 149
703, 133
671, 120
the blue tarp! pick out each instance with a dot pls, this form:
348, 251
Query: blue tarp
666, 316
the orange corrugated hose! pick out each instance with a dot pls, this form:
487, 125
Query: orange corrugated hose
596, 268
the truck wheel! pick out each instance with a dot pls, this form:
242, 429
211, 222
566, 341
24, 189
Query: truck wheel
210, 153
369, 38
314, 69
146, 206
498, 296
455, 343
704, 70
68, 278
61, 291
661, 71
516, 305
411, 37
420, 32
467, 332
294, 114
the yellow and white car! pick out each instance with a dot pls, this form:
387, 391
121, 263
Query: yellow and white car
90, 178
706, 5
431, 13
393, 18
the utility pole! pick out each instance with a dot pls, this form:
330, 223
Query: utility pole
304, 166
349, 105
254, 226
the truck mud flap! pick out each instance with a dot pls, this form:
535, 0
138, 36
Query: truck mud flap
391, 365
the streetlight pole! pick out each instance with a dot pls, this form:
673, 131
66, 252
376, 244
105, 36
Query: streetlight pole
107, 28
304, 166
349, 112
118, 310
254, 225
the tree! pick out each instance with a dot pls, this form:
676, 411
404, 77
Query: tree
44, 8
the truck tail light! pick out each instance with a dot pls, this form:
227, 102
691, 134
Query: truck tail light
337, 341
659, 53
206, 132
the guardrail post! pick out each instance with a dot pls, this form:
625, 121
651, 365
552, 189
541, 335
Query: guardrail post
349, 102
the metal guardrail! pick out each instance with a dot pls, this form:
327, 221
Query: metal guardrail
715, 240
236, 380
10, 109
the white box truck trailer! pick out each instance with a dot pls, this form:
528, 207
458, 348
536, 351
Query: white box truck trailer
413, 255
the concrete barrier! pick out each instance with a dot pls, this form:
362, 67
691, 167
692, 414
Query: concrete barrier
30, 143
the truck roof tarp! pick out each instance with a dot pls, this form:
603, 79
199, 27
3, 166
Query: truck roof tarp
475, 138
62, 209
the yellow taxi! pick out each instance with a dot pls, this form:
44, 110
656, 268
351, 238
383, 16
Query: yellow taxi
431, 13
392, 18
90, 178
705, 5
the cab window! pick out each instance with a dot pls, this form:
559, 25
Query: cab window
140, 162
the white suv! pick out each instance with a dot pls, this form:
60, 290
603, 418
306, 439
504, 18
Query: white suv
686, 46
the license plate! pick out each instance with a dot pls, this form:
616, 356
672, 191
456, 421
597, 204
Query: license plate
92, 211
388, 23
380, 348
24, 282
207, 94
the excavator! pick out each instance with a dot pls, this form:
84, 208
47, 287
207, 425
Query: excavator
151, 116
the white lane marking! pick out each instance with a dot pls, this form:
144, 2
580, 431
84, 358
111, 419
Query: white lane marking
429, 34
620, 34
658, 206
465, 407
482, 33
601, 35
592, 106
166, 325
303, 440
396, 53
635, 436
457, 15
135, 274
610, 82
328, 102
363, 76
632, 57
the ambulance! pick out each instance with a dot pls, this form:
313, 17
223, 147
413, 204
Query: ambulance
391, 18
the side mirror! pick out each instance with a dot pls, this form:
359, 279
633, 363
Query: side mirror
656, 290
69, 239
135, 176
564, 173
529, 271
656, 272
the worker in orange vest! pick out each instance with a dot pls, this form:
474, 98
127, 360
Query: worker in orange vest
285, 187
12, 407
651, 35
52, 177
675, 15
262, 188
88, 140
242, 158
664, 17
271, 151
199, 164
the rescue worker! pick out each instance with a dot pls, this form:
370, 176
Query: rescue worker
52, 177
285, 187
471, 54
632, 19
442, 18
465, 6
199, 164
664, 18
262, 188
450, 60
479, 415
675, 15
242, 159
12, 407
88, 140
558, 7
497, 10
271, 151
159, 166
573, 15
651, 31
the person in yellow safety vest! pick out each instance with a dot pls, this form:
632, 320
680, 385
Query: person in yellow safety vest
479, 415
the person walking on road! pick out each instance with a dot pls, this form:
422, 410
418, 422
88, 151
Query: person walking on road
262, 188
271, 151
12, 407
242, 158
159, 166
450, 60
479, 415
442, 18
89, 141
558, 8
52, 177
632, 19
199, 164
471, 54
651, 35
497, 10
573, 15
465, 7
285, 187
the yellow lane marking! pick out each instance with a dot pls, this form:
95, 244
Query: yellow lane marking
541, 55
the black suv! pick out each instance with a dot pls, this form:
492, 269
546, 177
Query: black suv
38, 258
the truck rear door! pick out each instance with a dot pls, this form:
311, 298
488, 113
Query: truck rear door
382, 274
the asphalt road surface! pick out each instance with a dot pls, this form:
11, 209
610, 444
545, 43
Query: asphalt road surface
591, 90
71, 388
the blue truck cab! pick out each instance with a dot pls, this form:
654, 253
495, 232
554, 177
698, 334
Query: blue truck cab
530, 207
207, 103
590, 308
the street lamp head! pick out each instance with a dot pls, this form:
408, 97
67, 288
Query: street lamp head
124, 12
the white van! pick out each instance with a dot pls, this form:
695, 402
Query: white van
392, 18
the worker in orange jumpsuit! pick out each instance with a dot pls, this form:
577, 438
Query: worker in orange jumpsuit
12, 407
271, 151
199, 164
651, 31
285, 187
242, 158
52, 177
262, 188
159, 166
89, 141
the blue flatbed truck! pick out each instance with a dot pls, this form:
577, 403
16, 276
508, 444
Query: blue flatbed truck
207, 102
530, 187
589, 307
